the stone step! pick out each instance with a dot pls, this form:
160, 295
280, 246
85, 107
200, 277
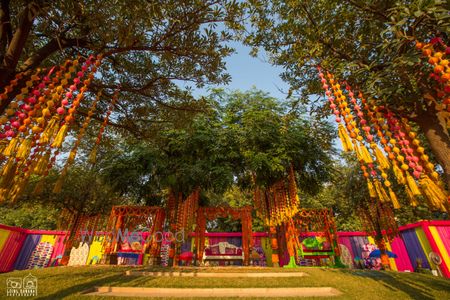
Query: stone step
216, 274
213, 292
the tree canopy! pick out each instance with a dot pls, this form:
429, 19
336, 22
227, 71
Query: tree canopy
369, 44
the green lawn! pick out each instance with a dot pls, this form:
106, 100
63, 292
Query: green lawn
69, 282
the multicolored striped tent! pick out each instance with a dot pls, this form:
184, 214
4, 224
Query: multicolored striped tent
427, 241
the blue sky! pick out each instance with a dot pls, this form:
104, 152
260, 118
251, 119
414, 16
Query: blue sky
247, 71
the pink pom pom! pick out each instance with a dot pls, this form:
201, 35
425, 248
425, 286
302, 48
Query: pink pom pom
27, 107
64, 102
351, 94
320, 74
41, 85
447, 50
10, 133
328, 93
370, 137
7, 127
15, 124
360, 114
412, 165
84, 68
338, 120
2, 135
415, 159
46, 78
73, 87
332, 106
363, 122
32, 100
36, 93
416, 174
325, 86
80, 74
60, 110
76, 80
323, 80
373, 173
331, 99
68, 95
419, 168
22, 115
410, 150
336, 112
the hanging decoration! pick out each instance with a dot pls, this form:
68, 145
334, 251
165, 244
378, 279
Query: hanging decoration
278, 203
38, 119
405, 157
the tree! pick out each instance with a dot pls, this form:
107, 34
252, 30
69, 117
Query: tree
370, 44
150, 48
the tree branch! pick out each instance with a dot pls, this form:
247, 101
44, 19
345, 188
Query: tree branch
369, 9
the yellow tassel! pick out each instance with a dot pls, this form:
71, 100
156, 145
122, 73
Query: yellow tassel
365, 154
433, 192
382, 195
3, 193
8, 174
59, 139
59, 183
372, 192
49, 130
11, 148
381, 158
412, 185
358, 152
93, 155
42, 164
394, 199
398, 174
345, 139
24, 149
72, 156
39, 188
412, 198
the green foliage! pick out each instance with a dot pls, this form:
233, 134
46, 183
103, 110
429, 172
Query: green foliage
29, 215
368, 43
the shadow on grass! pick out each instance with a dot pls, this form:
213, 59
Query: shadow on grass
418, 287
112, 280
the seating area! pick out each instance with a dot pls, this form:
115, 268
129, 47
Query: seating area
223, 251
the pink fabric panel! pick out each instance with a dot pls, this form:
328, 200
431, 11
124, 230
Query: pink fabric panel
58, 247
345, 240
11, 250
402, 261
444, 233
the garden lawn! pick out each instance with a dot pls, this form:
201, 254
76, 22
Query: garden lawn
70, 282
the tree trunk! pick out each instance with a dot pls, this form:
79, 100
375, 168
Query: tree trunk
433, 126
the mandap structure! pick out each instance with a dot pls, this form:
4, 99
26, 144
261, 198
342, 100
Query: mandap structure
40, 110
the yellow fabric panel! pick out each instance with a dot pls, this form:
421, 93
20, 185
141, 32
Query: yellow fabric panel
49, 239
371, 240
95, 249
391, 260
424, 244
437, 238
3, 237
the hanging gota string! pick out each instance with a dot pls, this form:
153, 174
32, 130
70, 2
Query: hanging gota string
73, 152
437, 55
390, 131
31, 139
93, 155
353, 141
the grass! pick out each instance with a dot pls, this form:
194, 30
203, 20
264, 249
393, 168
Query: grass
69, 282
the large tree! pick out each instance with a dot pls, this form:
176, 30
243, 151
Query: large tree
153, 49
371, 44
